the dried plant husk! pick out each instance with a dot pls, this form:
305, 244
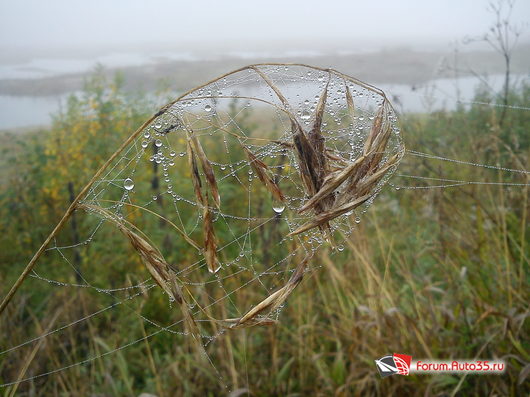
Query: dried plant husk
195, 176
210, 242
157, 266
333, 190
332, 182
273, 301
325, 217
349, 103
262, 170
207, 169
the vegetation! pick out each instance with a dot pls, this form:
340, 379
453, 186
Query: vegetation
435, 273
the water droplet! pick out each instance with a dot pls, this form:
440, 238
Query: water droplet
357, 220
172, 154
305, 115
278, 207
155, 198
158, 125
340, 248
158, 143
128, 184
208, 108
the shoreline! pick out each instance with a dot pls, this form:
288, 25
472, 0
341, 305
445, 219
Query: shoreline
387, 66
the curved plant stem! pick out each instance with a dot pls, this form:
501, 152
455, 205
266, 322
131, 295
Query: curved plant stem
66, 216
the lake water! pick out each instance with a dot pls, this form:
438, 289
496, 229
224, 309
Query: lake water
24, 111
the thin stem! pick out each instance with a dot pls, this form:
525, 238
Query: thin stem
66, 216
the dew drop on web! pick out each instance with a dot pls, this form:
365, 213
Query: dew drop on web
128, 184
278, 207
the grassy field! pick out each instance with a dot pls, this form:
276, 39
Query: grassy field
434, 273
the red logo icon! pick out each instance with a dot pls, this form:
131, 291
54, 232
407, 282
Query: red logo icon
395, 364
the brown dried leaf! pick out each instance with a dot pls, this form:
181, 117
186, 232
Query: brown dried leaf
376, 128
371, 181
327, 216
263, 305
330, 153
195, 176
207, 169
233, 323
307, 160
189, 321
315, 136
151, 257
210, 243
332, 182
262, 171
317, 141
379, 147
349, 101
276, 299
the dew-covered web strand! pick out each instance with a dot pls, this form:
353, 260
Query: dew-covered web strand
122, 347
494, 167
449, 182
108, 292
459, 183
85, 318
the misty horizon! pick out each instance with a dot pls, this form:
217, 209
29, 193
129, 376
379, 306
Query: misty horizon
32, 28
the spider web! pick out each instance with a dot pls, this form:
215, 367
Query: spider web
149, 188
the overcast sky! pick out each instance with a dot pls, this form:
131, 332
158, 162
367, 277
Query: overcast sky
109, 24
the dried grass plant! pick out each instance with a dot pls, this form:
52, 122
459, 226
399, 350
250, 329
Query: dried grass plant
333, 186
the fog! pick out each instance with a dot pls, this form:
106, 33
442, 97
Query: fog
35, 27
47, 48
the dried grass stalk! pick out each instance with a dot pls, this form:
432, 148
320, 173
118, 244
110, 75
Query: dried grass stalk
195, 176
335, 190
261, 169
210, 243
273, 301
332, 182
325, 217
375, 130
207, 169
349, 102
157, 266
269, 82
315, 135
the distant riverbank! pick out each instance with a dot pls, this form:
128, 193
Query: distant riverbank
416, 81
